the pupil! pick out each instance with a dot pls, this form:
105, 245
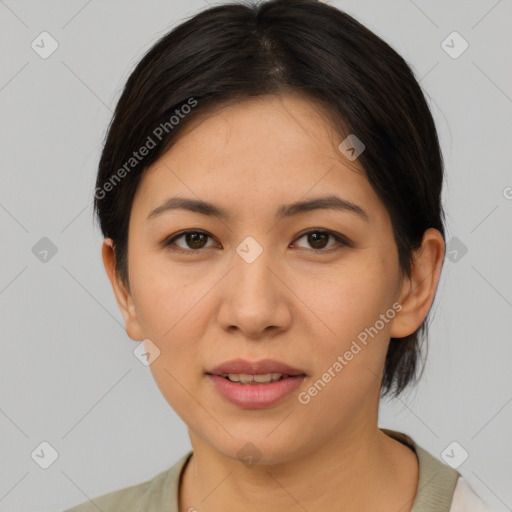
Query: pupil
193, 238
314, 243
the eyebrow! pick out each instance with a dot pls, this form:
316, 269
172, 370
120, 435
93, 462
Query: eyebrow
331, 202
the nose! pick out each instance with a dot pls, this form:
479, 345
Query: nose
254, 299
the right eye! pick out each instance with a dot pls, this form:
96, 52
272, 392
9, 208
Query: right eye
194, 240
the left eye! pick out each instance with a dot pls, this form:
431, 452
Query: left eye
194, 241
318, 239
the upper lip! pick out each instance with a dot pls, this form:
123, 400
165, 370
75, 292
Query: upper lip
263, 366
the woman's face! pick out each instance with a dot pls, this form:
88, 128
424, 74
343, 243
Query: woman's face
251, 286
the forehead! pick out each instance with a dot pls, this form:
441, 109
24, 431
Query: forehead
264, 150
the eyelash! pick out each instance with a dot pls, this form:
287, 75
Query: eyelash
340, 241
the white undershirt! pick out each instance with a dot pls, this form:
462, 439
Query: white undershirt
465, 499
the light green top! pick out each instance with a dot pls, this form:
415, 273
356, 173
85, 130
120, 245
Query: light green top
436, 485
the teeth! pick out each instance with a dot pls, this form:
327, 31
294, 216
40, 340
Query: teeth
244, 378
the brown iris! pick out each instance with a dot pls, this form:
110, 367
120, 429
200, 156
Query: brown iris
194, 240
315, 238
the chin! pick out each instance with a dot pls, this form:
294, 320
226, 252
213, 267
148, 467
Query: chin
261, 450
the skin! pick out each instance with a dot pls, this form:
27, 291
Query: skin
290, 304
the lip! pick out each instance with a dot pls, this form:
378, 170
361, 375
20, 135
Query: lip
255, 396
255, 367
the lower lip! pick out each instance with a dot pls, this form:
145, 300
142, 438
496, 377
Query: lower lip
255, 396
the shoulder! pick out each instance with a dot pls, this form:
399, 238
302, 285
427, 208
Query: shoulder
466, 500
440, 486
126, 499
144, 497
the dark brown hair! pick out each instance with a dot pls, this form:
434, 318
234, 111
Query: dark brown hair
236, 51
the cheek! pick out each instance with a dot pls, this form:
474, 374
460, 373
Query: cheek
348, 306
170, 310
348, 356
164, 302
171, 318
350, 297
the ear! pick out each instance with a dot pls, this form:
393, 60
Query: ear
123, 296
417, 292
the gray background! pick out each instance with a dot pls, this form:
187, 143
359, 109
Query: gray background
68, 374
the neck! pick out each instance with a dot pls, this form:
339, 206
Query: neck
357, 470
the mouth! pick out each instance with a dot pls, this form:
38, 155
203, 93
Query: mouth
257, 372
259, 378
255, 384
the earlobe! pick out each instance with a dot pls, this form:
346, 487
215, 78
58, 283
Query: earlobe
418, 291
123, 296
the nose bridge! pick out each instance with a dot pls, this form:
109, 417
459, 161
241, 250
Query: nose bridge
252, 270
253, 299
252, 277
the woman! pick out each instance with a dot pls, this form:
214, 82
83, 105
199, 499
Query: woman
270, 197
